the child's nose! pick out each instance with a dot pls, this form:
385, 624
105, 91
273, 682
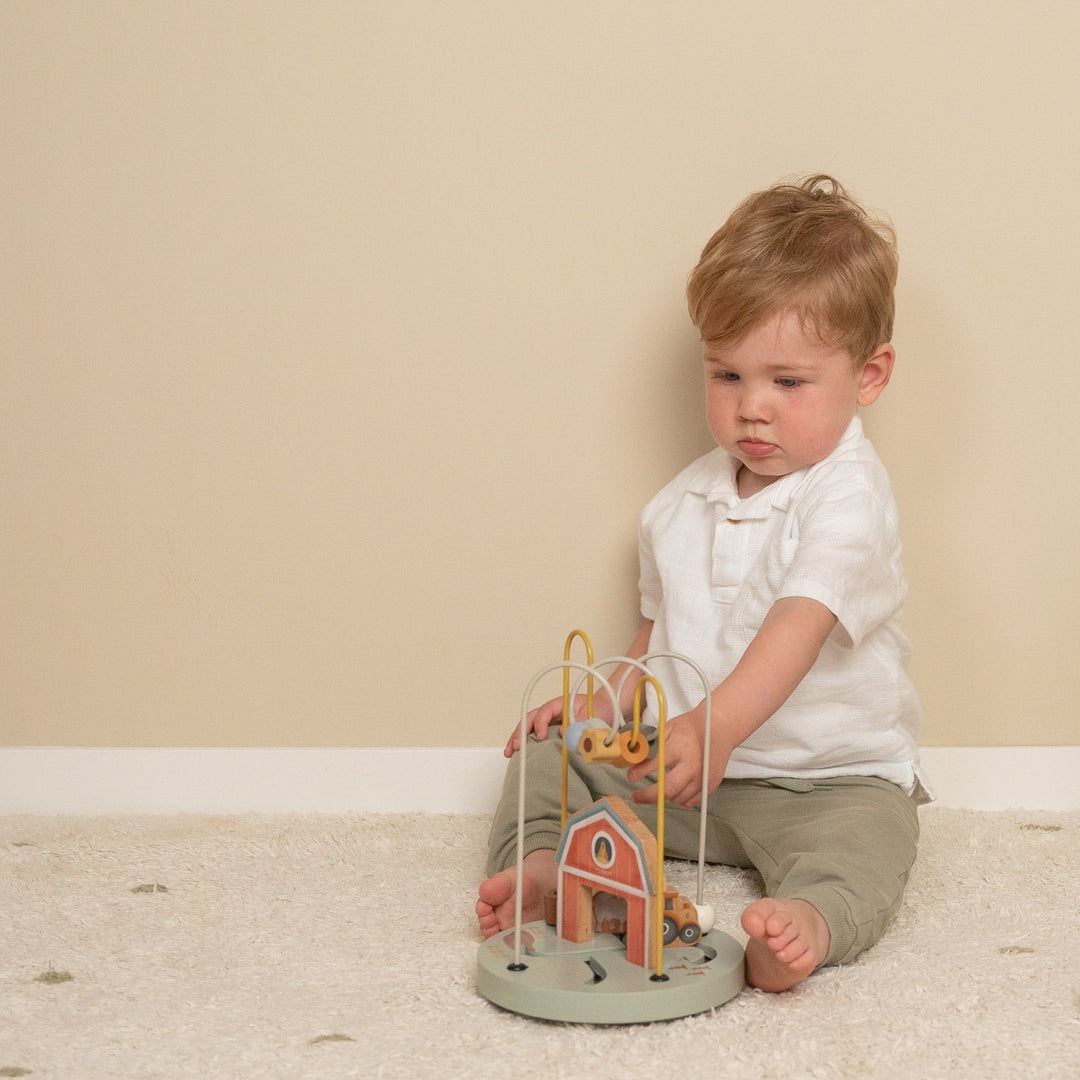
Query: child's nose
753, 405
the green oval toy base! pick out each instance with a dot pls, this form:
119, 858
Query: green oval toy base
594, 983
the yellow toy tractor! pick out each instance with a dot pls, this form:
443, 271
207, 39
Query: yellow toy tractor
681, 925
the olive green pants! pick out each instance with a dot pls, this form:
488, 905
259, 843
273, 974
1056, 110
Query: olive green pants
845, 845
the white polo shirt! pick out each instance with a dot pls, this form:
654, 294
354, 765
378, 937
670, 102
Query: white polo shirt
712, 565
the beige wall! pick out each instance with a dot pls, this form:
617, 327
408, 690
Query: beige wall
343, 342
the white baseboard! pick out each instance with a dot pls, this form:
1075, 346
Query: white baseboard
76, 780
265, 780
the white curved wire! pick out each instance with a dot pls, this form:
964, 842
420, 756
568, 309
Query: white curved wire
524, 731
640, 665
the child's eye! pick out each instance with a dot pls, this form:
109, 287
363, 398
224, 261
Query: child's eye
788, 382
726, 376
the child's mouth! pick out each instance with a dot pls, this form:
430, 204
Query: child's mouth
756, 448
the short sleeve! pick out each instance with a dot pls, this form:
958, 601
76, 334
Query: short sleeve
848, 558
649, 581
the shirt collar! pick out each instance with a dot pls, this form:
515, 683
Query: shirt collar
714, 478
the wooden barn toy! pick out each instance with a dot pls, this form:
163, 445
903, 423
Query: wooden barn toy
606, 851
620, 947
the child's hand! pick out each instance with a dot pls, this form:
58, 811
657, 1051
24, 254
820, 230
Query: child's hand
684, 763
543, 717
537, 723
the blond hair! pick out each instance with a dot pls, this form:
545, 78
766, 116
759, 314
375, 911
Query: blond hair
804, 246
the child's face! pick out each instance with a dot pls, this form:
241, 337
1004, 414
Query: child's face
780, 401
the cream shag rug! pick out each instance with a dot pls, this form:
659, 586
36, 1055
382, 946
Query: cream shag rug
327, 946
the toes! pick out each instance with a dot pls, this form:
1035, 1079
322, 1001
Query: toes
784, 932
785, 943
753, 921
766, 921
795, 954
778, 927
488, 919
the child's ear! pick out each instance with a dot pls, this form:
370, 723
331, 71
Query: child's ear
876, 373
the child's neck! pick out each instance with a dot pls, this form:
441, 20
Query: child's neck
749, 483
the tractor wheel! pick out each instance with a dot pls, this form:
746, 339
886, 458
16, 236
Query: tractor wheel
671, 929
690, 933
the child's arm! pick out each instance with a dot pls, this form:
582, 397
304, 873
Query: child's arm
543, 716
775, 662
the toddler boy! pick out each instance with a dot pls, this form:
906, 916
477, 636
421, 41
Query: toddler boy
774, 563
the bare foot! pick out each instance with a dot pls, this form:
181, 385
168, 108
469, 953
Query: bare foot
788, 940
495, 909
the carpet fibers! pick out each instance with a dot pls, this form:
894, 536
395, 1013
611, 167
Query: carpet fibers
341, 946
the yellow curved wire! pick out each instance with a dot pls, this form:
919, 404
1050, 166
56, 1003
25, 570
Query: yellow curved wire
632, 745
